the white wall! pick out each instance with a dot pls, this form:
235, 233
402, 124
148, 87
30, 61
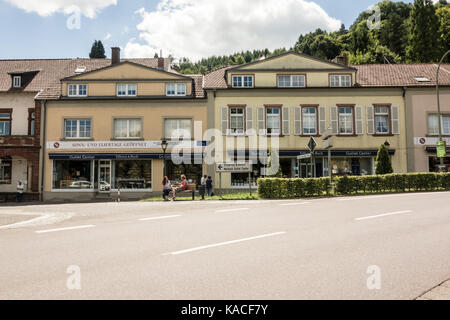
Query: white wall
19, 172
20, 103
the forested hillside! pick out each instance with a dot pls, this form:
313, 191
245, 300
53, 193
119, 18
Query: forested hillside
409, 33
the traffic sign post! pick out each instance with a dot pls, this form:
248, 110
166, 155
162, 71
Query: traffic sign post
312, 145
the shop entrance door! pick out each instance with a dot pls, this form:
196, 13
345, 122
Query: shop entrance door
104, 176
305, 170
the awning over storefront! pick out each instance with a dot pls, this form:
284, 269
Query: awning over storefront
434, 150
317, 153
115, 156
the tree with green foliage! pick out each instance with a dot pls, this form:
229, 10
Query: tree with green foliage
97, 50
443, 14
423, 41
384, 165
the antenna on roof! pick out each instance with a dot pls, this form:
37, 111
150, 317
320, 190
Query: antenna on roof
386, 59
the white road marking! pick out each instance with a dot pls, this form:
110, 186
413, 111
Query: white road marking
389, 196
24, 223
65, 229
159, 218
293, 204
384, 215
232, 210
224, 243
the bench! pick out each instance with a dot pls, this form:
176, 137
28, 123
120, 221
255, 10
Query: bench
190, 190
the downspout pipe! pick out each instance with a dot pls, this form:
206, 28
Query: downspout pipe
44, 145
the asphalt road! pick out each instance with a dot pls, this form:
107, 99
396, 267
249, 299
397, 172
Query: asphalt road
311, 249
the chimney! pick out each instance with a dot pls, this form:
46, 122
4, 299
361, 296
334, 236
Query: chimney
343, 59
115, 55
161, 63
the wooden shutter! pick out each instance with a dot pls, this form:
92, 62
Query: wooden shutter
261, 121
322, 120
359, 120
298, 121
224, 120
370, 120
249, 119
334, 120
395, 115
286, 121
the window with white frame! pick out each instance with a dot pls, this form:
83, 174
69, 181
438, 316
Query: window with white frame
17, 81
382, 120
127, 128
291, 81
237, 120
5, 123
433, 124
345, 120
309, 120
77, 128
176, 89
273, 121
178, 129
77, 90
126, 90
242, 81
340, 80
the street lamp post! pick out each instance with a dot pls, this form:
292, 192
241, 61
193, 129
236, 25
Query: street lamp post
439, 104
164, 145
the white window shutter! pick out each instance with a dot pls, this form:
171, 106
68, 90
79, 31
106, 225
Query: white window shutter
370, 120
286, 121
224, 120
395, 112
261, 121
298, 121
322, 120
359, 120
249, 119
334, 120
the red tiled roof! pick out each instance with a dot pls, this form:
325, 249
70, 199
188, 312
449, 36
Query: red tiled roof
372, 75
399, 75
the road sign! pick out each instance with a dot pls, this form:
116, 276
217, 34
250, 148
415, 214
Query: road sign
312, 144
304, 156
234, 167
441, 149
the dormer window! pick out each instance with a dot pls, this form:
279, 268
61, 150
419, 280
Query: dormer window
292, 81
176, 89
243, 81
126, 90
340, 80
17, 81
77, 90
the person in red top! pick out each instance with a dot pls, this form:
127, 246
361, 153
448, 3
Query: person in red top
181, 187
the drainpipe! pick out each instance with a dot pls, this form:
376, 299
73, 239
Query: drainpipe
44, 145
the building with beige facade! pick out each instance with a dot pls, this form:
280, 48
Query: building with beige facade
293, 97
104, 129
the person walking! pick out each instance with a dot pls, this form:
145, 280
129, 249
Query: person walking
209, 186
20, 189
167, 188
202, 189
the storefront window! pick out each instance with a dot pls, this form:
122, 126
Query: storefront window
352, 166
241, 180
192, 172
436, 162
5, 171
72, 175
133, 174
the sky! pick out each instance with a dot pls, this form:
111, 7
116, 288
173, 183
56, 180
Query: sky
31, 29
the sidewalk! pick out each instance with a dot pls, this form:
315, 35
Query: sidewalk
441, 292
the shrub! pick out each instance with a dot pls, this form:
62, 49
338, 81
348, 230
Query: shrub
276, 188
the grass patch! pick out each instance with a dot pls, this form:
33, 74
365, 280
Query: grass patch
231, 196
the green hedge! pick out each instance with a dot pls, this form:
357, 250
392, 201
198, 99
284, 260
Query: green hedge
277, 188
393, 183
